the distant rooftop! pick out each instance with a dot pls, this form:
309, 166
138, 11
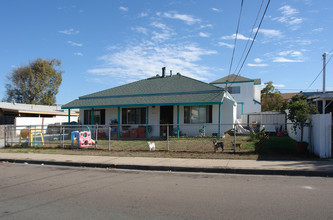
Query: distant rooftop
33, 109
234, 78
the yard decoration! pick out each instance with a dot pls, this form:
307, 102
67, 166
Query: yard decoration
299, 114
82, 139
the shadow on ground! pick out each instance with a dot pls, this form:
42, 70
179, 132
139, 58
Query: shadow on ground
282, 148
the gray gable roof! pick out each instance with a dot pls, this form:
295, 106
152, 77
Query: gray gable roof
235, 78
169, 90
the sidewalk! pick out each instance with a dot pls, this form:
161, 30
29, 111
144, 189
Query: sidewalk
293, 168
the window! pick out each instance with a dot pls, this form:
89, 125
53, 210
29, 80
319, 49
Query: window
133, 116
99, 117
198, 114
234, 90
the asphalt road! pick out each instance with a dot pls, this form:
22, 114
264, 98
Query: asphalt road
50, 192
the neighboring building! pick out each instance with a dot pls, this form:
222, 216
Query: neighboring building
287, 96
320, 99
183, 102
11, 111
316, 98
247, 92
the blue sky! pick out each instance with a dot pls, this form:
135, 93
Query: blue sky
104, 43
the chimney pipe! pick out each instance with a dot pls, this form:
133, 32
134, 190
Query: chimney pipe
163, 71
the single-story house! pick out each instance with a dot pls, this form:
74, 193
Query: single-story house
185, 103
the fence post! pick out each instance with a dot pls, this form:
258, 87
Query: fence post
168, 137
234, 138
110, 138
60, 135
96, 131
63, 137
5, 136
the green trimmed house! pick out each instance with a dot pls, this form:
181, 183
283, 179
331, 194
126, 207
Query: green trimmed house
189, 106
247, 92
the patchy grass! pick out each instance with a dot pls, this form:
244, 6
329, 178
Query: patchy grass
282, 148
276, 148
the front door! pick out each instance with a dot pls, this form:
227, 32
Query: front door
166, 117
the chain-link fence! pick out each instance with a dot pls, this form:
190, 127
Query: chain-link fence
180, 138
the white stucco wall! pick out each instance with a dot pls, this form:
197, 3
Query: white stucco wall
257, 93
248, 93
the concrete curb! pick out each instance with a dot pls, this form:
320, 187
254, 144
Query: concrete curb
309, 173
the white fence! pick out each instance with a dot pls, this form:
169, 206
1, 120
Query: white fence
272, 121
321, 133
318, 134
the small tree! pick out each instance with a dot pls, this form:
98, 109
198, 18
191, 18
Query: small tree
36, 83
299, 112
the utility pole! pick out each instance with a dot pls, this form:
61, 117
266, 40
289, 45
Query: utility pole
324, 73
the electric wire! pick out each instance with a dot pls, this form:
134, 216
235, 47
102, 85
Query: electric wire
252, 29
247, 54
234, 48
320, 71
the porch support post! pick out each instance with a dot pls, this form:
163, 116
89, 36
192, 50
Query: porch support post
147, 109
118, 129
69, 116
92, 116
177, 121
219, 134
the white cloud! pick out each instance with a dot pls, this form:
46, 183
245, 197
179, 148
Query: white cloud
146, 59
164, 32
143, 14
303, 42
285, 60
288, 11
226, 45
288, 17
233, 36
206, 26
279, 85
201, 34
74, 44
270, 33
140, 30
78, 54
188, 19
217, 10
160, 25
292, 53
70, 31
257, 64
318, 30
258, 60
122, 8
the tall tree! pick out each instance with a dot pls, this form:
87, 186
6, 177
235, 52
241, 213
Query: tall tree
271, 99
36, 83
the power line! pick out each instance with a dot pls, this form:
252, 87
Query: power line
320, 71
233, 51
247, 54
252, 29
